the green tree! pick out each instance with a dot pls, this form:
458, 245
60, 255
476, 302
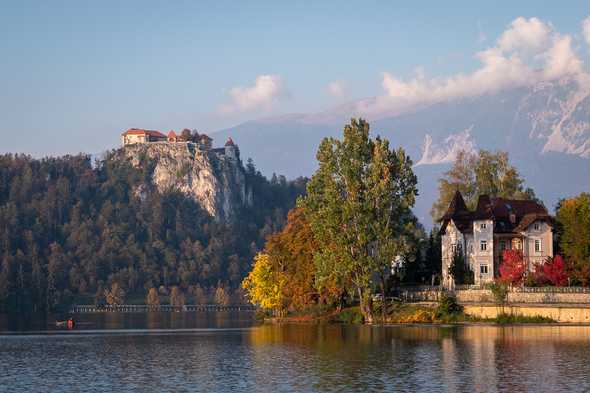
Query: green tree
459, 269
357, 203
474, 174
573, 219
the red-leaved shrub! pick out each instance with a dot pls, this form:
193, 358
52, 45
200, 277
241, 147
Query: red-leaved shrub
554, 270
512, 268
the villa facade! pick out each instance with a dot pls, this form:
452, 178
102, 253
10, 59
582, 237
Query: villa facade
496, 225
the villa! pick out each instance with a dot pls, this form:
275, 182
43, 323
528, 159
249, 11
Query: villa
496, 225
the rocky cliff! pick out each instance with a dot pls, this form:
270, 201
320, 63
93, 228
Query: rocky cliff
215, 181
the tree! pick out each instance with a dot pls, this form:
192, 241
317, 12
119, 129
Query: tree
291, 252
176, 296
152, 299
513, 268
115, 295
459, 270
264, 285
475, 174
573, 227
357, 204
221, 296
433, 256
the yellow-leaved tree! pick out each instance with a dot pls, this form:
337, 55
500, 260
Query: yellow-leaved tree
264, 285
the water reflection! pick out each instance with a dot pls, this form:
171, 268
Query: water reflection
229, 353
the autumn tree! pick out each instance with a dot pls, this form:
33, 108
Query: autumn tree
291, 251
264, 285
152, 299
474, 174
221, 296
176, 296
115, 295
357, 203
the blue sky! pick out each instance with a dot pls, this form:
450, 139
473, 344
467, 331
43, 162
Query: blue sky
75, 74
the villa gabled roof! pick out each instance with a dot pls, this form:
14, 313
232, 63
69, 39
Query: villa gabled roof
509, 215
457, 212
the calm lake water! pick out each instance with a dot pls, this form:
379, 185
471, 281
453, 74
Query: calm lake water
222, 352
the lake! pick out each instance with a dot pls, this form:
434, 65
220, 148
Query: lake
223, 352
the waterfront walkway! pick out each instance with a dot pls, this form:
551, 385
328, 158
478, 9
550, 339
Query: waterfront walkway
140, 308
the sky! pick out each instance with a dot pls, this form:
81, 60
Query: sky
75, 74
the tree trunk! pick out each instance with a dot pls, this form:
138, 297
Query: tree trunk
383, 303
366, 305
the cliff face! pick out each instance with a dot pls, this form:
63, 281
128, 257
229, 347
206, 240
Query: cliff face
215, 181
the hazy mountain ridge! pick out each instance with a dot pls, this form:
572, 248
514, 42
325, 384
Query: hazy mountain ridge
545, 128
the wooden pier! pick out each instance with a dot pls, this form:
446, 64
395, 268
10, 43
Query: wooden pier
142, 308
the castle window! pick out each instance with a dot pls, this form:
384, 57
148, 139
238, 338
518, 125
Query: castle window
483, 226
483, 269
502, 245
483, 245
537, 226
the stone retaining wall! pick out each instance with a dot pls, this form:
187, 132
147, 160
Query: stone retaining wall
559, 313
567, 295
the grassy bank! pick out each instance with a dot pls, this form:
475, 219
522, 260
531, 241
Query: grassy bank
445, 312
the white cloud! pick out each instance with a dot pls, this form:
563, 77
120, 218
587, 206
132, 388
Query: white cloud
266, 90
336, 89
527, 52
586, 29
525, 34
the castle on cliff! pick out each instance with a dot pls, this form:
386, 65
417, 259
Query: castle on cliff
201, 141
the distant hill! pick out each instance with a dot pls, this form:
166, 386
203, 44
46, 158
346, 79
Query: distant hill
545, 128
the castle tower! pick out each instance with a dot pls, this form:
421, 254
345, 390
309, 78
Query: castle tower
231, 150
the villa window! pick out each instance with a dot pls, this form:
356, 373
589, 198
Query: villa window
483, 269
537, 226
516, 244
537, 245
483, 226
483, 245
502, 245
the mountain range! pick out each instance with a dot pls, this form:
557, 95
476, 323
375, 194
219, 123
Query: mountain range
544, 127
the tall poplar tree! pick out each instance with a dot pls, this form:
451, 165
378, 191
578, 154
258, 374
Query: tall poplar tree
479, 173
358, 204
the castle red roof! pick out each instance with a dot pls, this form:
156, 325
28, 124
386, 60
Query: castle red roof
229, 142
172, 134
140, 131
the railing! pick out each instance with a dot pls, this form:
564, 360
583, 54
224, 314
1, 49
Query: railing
140, 308
551, 289
464, 287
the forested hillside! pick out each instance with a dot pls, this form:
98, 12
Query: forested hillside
70, 228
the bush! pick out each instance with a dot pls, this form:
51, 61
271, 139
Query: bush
500, 291
511, 318
350, 315
448, 305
